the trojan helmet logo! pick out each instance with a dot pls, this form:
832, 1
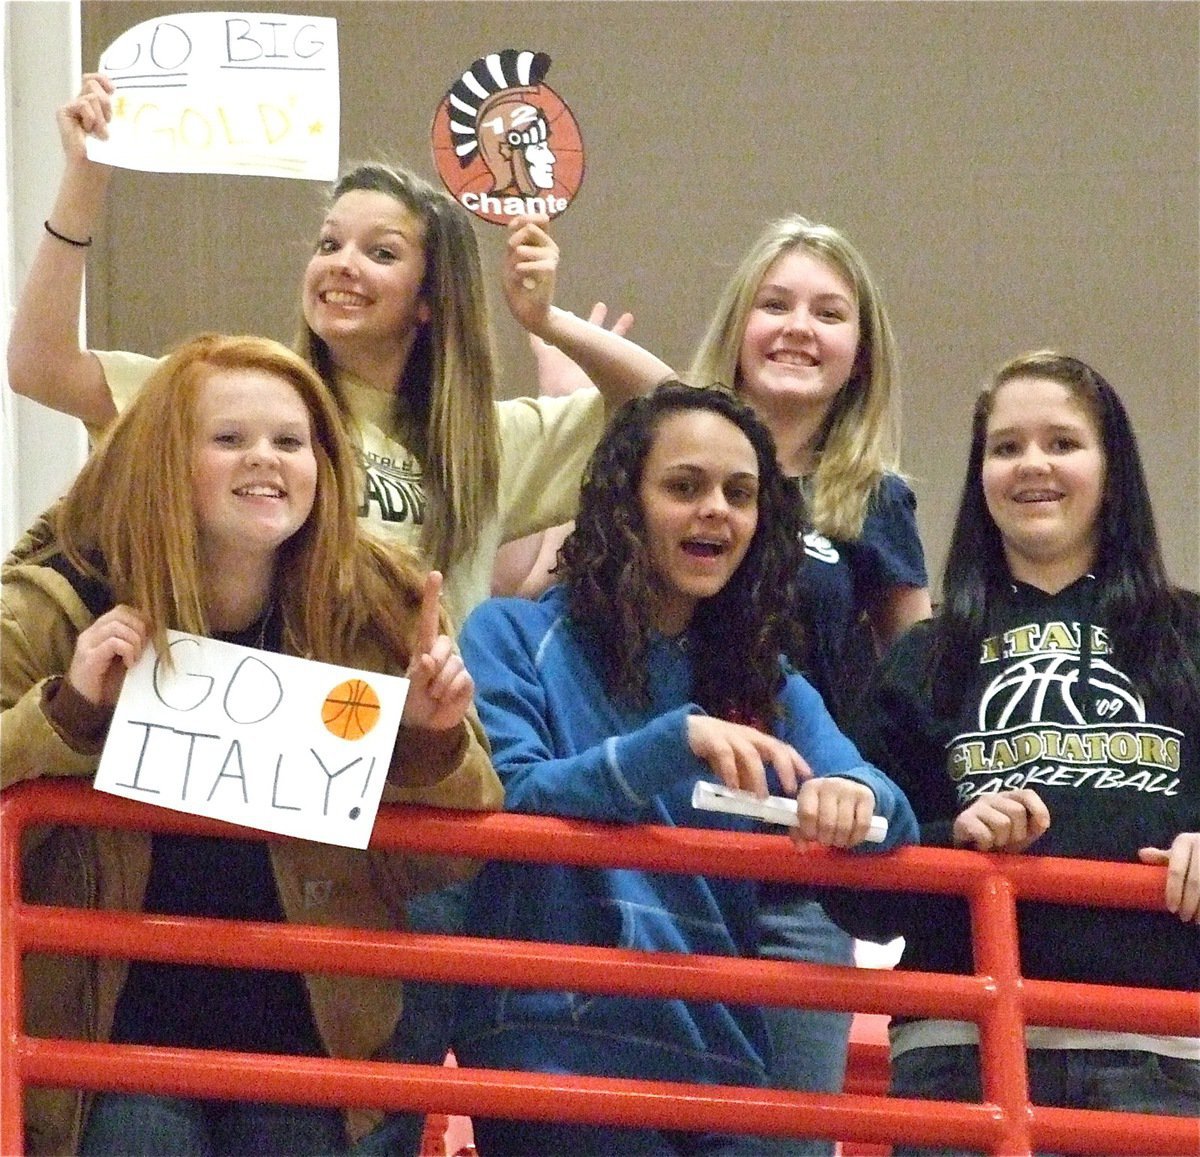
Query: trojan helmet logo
504, 143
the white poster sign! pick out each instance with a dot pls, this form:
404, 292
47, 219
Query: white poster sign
224, 92
268, 741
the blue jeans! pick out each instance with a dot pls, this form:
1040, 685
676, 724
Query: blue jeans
1116, 1079
143, 1125
497, 1137
423, 1033
808, 1045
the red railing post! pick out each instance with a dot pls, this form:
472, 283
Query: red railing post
12, 998
1004, 1074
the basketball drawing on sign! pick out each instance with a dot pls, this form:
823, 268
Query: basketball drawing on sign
351, 709
504, 143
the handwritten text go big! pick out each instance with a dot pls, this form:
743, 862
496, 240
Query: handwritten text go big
220, 92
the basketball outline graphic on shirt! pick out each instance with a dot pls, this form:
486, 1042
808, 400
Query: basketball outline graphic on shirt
504, 143
1032, 729
1041, 676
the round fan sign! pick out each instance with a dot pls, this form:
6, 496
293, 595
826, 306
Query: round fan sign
504, 143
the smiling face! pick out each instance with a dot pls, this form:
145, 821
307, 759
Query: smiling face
1043, 480
362, 286
801, 337
254, 473
699, 496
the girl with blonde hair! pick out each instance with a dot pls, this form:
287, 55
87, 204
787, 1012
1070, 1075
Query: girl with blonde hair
800, 332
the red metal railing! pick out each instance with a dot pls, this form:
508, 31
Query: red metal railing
996, 997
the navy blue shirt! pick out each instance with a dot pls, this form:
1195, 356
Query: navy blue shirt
843, 579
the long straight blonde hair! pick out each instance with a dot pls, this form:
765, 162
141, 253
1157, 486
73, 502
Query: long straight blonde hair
445, 399
861, 435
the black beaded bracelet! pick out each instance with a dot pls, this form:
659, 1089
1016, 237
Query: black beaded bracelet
63, 237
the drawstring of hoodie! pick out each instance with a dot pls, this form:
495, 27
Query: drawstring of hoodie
1087, 691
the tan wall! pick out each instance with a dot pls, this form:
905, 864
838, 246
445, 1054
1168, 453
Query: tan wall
1017, 175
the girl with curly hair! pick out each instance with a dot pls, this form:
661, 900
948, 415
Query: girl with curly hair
661, 659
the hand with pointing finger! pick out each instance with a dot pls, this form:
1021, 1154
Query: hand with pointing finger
440, 687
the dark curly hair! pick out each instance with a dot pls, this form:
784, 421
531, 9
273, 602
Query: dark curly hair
738, 635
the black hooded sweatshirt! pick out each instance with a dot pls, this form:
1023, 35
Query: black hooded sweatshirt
1048, 708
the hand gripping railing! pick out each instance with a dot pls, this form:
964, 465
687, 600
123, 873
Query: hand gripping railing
995, 997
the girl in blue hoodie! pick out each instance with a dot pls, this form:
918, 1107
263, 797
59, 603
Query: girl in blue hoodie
660, 659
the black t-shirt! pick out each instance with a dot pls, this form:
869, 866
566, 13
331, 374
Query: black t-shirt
197, 1005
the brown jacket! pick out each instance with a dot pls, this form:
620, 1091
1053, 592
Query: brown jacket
42, 615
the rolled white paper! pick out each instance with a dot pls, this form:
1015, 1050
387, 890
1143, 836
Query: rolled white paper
775, 809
